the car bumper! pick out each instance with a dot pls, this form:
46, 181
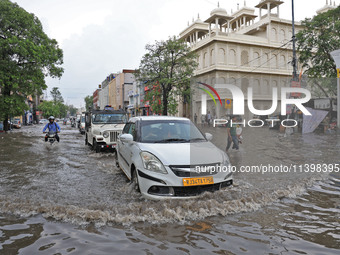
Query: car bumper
158, 186
104, 145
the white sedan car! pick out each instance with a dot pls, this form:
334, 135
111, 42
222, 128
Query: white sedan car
168, 157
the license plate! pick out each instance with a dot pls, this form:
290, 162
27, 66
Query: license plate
198, 181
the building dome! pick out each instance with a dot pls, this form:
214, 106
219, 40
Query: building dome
219, 11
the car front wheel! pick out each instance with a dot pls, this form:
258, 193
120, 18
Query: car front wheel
95, 146
134, 181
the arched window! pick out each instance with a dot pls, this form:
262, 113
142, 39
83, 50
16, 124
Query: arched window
205, 59
282, 35
232, 57
221, 56
212, 57
232, 80
221, 80
265, 88
256, 59
256, 87
290, 35
273, 35
274, 63
244, 85
282, 61
265, 61
274, 84
244, 58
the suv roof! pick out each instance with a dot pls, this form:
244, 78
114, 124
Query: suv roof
146, 118
108, 111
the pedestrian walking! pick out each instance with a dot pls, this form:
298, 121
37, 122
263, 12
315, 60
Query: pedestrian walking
208, 118
232, 136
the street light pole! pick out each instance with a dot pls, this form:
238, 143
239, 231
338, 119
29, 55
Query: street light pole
336, 56
294, 49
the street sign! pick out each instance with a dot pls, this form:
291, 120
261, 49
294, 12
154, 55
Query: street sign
228, 103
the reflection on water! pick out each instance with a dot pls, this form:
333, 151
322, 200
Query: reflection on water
67, 199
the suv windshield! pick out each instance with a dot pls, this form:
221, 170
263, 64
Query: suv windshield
108, 118
170, 131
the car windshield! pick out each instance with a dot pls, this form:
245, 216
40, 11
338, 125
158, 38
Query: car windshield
82, 119
108, 118
170, 131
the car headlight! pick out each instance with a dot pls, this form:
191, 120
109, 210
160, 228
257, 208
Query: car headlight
152, 163
227, 168
106, 134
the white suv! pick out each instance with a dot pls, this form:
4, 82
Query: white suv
168, 157
103, 127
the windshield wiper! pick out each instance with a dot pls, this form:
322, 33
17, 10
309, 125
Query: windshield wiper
172, 140
197, 139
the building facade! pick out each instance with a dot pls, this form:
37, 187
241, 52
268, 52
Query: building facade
243, 49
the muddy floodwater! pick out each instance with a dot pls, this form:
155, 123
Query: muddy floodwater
67, 199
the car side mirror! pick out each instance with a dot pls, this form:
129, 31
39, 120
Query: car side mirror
208, 136
126, 138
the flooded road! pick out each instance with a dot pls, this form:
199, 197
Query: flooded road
67, 199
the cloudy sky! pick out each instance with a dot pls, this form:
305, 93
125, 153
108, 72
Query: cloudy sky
100, 37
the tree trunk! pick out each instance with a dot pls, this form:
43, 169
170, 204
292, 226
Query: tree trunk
7, 93
165, 102
6, 126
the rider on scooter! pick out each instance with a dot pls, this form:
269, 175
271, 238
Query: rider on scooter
52, 127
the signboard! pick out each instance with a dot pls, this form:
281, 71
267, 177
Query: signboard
295, 84
311, 122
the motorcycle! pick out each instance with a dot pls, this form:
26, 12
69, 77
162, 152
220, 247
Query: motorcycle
51, 137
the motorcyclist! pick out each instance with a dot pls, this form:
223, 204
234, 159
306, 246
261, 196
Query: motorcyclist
52, 127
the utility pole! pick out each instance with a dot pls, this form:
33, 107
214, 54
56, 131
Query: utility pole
336, 56
294, 49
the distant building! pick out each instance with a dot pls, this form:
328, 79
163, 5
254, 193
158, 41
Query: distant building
137, 104
114, 90
96, 98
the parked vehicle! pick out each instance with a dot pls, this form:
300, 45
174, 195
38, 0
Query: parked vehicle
168, 157
103, 127
16, 123
10, 125
82, 124
43, 121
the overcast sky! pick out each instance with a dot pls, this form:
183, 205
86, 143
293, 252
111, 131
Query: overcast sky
100, 37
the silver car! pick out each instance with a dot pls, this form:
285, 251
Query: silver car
168, 157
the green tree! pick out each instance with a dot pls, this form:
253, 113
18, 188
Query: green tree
27, 56
48, 109
61, 110
72, 110
320, 36
88, 102
56, 95
166, 70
